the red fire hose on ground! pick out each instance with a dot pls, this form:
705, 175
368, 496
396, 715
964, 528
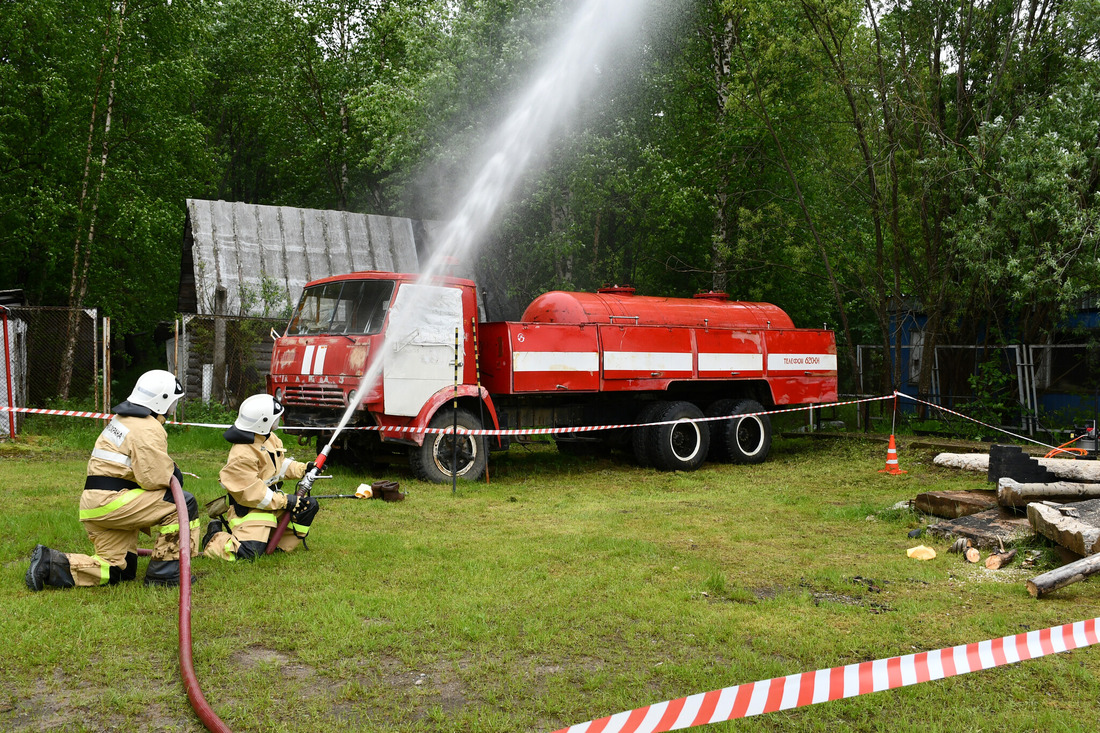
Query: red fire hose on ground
206, 714
187, 666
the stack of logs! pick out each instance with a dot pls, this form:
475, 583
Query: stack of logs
1062, 500
995, 561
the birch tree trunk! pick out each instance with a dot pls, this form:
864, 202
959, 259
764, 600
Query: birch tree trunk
85, 232
721, 49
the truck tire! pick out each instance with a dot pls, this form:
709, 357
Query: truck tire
433, 460
640, 437
719, 446
748, 439
679, 446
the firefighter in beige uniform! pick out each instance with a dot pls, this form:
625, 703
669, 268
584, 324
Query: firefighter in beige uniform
126, 492
253, 476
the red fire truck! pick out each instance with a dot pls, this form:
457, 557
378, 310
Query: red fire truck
572, 360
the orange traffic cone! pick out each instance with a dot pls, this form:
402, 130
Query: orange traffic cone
892, 459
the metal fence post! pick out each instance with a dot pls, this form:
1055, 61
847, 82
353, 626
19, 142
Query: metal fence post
7, 371
106, 364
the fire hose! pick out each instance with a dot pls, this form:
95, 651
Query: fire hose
187, 665
303, 490
206, 714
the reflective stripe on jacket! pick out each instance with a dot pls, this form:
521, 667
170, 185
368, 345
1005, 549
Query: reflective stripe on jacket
133, 449
251, 474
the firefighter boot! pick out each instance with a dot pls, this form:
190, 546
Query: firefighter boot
130, 571
164, 573
212, 529
48, 567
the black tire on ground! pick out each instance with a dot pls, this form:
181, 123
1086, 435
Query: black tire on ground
749, 439
434, 460
680, 446
719, 447
639, 437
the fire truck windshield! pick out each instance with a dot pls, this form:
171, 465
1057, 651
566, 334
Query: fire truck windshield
348, 307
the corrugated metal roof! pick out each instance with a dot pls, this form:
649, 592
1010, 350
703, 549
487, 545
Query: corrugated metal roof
263, 255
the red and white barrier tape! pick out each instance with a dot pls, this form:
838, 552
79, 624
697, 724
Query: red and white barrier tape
971, 419
810, 688
464, 431
98, 416
67, 413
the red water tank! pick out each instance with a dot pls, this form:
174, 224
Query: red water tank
620, 305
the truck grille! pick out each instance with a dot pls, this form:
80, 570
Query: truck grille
314, 395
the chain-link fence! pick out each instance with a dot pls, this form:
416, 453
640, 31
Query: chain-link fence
1036, 388
222, 359
51, 356
59, 358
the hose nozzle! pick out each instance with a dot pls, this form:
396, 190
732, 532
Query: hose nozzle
312, 474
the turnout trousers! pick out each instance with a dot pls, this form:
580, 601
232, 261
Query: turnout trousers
113, 521
248, 536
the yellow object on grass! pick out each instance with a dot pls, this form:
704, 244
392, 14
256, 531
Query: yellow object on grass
920, 552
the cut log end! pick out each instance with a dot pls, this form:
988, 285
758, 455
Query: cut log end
1074, 572
998, 560
972, 554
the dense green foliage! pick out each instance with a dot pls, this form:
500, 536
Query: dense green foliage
841, 159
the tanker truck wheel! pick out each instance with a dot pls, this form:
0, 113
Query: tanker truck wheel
682, 445
438, 461
719, 446
640, 437
749, 438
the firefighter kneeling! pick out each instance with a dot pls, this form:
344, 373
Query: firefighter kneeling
126, 492
253, 474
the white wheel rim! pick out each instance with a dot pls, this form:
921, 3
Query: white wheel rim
445, 468
759, 432
694, 431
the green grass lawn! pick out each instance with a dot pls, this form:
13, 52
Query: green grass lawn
565, 589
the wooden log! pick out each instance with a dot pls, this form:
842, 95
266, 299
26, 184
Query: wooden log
960, 545
972, 554
998, 560
965, 461
1067, 469
1073, 526
1012, 493
954, 504
1040, 585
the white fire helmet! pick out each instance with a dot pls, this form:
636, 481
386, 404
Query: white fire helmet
258, 414
158, 390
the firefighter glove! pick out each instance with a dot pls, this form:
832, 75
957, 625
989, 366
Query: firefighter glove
310, 466
305, 509
291, 502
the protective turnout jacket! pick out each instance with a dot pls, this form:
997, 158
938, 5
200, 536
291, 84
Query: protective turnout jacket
126, 492
134, 450
253, 476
